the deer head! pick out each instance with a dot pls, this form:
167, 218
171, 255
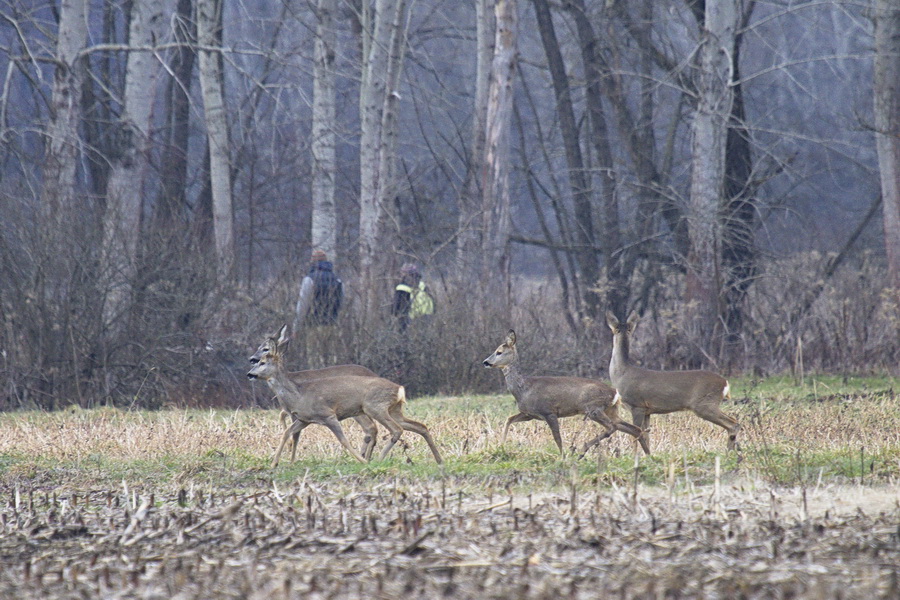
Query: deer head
505, 354
269, 353
618, 327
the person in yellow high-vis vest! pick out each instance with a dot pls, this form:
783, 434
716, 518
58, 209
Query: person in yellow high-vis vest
411, 297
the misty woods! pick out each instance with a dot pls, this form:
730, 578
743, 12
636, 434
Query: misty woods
728, 169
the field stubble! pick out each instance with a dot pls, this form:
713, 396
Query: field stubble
179, 504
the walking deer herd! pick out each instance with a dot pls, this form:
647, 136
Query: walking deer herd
330, 395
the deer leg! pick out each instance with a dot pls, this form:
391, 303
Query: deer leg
371, 436
637, 432
609, 418
392, 426
416, 427
603, 419
612, 424
296, 436
517, 418
294, 439
641, 419
283, 417
714, 414
294, 430
335, 426
628, 428
553, 422
596, 441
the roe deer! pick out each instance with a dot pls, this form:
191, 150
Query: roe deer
649, 392
326, 401
553, 398
367, 424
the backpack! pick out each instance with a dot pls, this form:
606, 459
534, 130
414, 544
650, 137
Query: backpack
328, 294
422, 303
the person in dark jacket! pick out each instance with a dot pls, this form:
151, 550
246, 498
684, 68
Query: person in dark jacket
318, 306
321, 293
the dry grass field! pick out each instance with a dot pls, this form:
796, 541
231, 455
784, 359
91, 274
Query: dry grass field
182, 504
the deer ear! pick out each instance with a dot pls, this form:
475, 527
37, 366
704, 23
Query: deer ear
511, 338
611, 320
283, 338
633, 319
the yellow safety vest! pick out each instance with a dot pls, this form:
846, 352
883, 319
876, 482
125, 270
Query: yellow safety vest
422, 302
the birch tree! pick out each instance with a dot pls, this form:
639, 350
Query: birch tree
495, 182
387, 152
62, 139
324, 165
470, 206
129, 167
212, 86
709, 131
42, 282
378, 97
887, 127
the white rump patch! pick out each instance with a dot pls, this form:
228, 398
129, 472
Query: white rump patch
726, 393
617, 398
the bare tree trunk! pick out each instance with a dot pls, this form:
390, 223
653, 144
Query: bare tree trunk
709, 133
615, 254
209, 19
887, 127
324, 214
387, 152
470, 221
171, 204
739, 227
97, 104
495, 182
62, 145
124, 192
48, 284
637, 134
378, 76
579, 181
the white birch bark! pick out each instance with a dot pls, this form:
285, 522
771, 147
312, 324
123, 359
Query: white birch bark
389, 187
709, 132
374, 90
62, 140
212, 89
495, 182
887, 127
324, 165
469, 240
129, 168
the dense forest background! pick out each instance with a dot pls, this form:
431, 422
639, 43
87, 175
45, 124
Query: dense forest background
731, 170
